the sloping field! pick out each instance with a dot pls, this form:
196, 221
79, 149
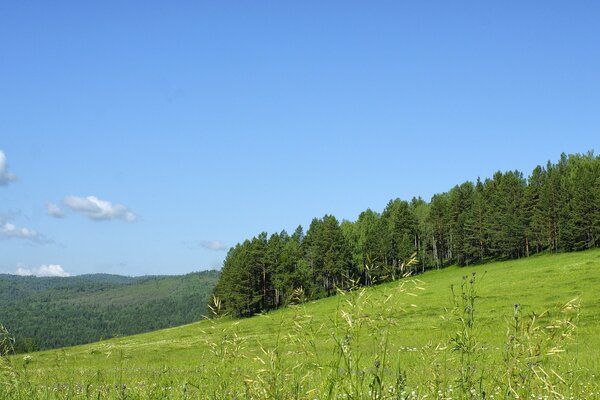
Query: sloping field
404, 339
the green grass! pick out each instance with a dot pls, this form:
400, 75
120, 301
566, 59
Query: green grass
391, 341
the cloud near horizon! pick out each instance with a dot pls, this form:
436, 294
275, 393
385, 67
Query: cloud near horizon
95, 209
215, 245
5, 175
49, 270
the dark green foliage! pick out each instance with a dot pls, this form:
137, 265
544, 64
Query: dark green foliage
328, 254
46, 313
366, 245
505, 217
238, 287
421, 210
261, 273
536, 220
583, 185
504, 196
439, 221
460, 209
476, 234
398, 231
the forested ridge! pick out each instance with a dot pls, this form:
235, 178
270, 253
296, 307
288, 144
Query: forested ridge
55, 312
555, 209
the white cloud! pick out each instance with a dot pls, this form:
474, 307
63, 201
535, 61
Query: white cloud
5, 176
54, 211
44, 270
9, 230
216, 245
99, 210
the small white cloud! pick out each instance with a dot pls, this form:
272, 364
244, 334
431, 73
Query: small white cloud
9, 230
5, 175
54, 211
99, 210
21, 271
216, 245
44, 270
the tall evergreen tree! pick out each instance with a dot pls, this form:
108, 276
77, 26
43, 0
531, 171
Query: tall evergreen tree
475, 227
460, 207
369, 246
424, 232
582, 183
506, 223
440, 225
399, 227
535, 215
328, 253
555, 205
238, 286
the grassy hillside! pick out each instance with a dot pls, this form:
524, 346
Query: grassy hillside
56, 312
406, 339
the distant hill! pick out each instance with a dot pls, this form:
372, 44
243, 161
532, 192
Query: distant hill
53, 312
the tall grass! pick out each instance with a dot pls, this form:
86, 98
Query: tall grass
354, 355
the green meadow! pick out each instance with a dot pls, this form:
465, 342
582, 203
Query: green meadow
526, 328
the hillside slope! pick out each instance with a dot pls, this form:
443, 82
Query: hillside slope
58, 312
404, 326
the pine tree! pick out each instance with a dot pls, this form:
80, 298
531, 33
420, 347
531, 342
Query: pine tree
368, 256
424, 233
399, 226
581, 183
460, 206
440, 224
535, 215
328, 254
475, 227
506, 225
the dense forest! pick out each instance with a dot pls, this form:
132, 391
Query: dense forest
555, 209
45, 313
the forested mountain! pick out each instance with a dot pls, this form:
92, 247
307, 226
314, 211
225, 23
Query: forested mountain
507, 216
54, 312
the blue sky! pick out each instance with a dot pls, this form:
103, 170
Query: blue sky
148, 137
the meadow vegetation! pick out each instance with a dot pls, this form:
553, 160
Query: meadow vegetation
524, 329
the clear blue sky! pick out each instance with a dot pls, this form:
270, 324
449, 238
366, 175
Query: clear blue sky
145, 137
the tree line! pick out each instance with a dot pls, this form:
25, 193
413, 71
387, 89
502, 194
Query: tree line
507, 216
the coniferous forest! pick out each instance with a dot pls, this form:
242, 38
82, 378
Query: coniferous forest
554, 209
